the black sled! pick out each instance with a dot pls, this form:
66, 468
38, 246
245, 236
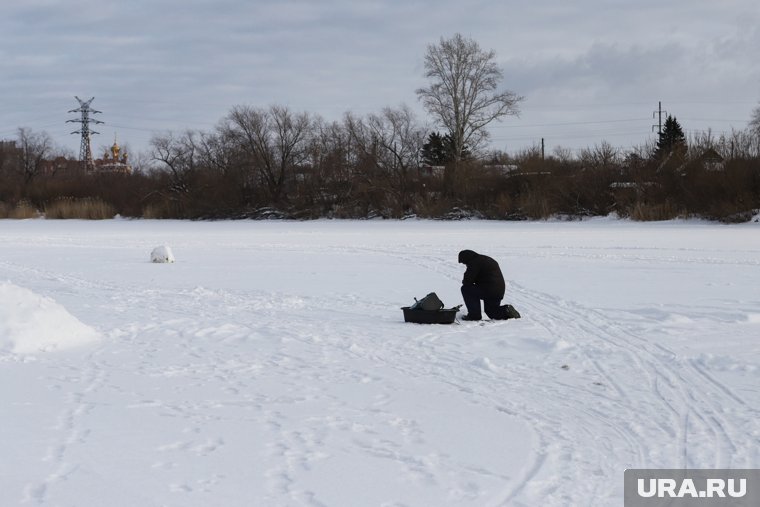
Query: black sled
430, 310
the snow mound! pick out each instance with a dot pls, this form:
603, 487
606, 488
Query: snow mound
32, 323
162, 254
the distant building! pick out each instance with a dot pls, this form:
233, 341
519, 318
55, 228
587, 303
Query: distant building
61, 166
7, 145
9, 155
115, 160
711, 160
503, 169
432, 171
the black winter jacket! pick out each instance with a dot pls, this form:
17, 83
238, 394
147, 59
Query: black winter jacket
484, 272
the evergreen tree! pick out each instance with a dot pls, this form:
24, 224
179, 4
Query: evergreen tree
434, 151
671, 139
439, 150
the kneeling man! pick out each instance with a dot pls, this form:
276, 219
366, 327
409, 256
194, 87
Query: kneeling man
482, 281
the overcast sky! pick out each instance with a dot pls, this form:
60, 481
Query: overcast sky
589, 70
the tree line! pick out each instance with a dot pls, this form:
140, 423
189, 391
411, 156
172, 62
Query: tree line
264, 162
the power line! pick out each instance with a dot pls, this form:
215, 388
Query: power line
563, 124
133, 128
714, 119
568, 136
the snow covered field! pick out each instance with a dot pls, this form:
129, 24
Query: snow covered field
270, 364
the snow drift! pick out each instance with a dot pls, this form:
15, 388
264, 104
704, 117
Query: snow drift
32, 323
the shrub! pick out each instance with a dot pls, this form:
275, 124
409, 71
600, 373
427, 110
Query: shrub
648, 212
536, 205
86, 208
154, 211
22, 210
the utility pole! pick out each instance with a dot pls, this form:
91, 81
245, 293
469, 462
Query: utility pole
85, 150
659, 115
542, 148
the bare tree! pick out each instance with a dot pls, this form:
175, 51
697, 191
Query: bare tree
392, 142
754, 122
179, 156
742, 144
276, 141
600, 156
330, 153
563, 154
35, 148
332, 158
462, 94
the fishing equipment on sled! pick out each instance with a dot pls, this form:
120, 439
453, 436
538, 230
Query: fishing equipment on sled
430, 310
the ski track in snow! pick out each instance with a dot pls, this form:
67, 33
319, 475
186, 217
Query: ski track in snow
209, 364
690, 405
675, 398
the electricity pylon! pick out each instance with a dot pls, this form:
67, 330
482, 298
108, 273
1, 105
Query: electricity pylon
85, 151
